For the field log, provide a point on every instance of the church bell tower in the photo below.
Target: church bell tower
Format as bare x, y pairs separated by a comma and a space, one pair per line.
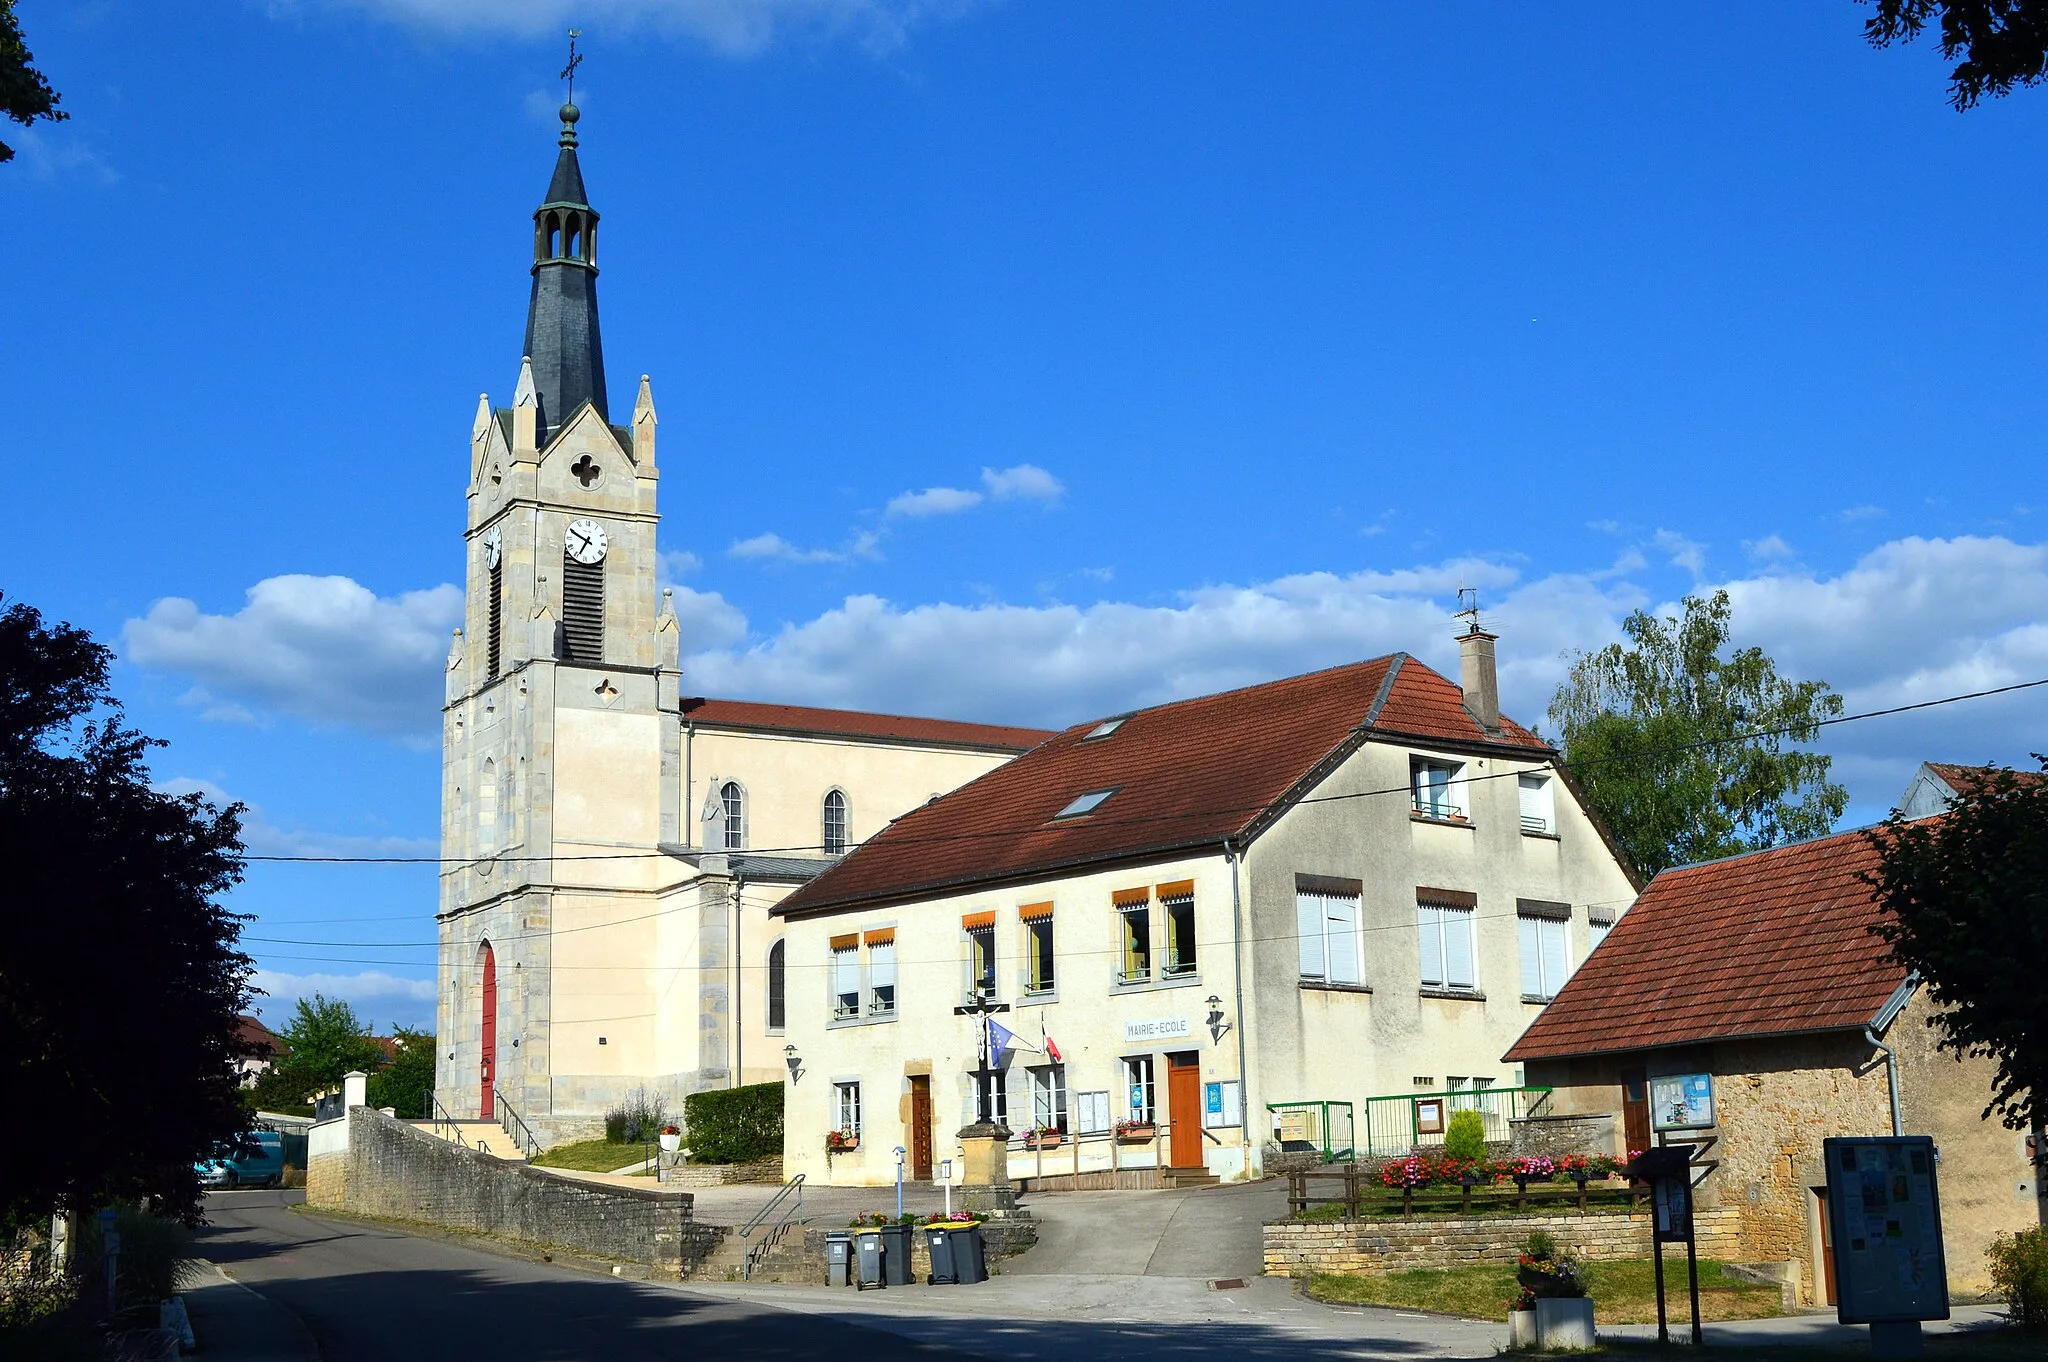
554, 742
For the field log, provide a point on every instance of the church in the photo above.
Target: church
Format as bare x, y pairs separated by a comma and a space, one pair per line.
611, 844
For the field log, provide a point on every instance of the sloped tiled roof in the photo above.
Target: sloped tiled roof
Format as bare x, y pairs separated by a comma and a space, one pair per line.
1189, 774
853, 724
1965, 780
250, 1031
1773, 942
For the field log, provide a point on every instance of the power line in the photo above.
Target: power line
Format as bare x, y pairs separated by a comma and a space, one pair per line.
1644, 755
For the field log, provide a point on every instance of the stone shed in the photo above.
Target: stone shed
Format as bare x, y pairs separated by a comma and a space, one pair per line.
1744, 1006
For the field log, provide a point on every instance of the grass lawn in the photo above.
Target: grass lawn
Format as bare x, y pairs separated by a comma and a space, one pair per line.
591, 1156
1623, 1292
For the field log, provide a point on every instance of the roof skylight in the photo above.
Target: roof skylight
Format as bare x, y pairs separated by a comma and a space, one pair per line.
1105, 728
1087, 803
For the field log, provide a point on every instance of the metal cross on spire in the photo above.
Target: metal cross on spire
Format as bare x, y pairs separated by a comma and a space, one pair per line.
575, 60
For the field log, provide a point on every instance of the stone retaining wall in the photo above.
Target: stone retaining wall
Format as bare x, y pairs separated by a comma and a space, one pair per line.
1297, 1248
395, 1171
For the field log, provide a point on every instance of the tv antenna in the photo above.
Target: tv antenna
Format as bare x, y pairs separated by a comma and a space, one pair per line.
1468, 608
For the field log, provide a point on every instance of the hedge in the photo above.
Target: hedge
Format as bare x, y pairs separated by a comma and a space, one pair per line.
734, 1125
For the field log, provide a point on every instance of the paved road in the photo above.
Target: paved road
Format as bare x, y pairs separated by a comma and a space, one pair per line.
369, 1294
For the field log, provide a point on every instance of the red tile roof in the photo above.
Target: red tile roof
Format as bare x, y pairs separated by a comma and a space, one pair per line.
250, 1031
1189, 774
1965, 780
853, 724
1773, 942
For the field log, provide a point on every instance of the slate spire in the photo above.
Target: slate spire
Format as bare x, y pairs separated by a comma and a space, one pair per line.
561, 318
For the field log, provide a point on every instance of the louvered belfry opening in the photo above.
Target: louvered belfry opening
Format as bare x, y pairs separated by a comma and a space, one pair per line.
582, 611
495, 651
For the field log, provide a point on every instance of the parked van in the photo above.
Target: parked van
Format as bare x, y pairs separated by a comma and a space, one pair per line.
259, 1162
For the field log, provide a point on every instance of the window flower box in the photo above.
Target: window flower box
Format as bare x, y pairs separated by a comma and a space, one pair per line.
1043, 1139
841, 1141
1136, 1132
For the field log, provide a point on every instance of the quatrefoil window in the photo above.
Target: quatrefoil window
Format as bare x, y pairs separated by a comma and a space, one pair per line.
586, 470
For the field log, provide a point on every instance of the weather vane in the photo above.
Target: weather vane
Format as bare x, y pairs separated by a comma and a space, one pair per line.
575, 60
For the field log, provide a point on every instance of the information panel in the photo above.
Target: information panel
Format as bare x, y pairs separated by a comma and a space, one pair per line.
1884, 1221
1681, 1101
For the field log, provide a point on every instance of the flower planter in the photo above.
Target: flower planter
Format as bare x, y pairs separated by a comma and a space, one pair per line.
671, 1143
1136, 1135
1521, 1329
1042, 1142
847, 1147
1564, 1322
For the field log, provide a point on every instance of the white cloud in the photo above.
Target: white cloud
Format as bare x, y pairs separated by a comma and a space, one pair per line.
934, 501
734, 28
1912, 620
1604, 526
326, 649
1770, 549
262, 837
1023, 482
672, 565
1856, 513
707, 619
379, 998
57, 154
773, 547
1682, 552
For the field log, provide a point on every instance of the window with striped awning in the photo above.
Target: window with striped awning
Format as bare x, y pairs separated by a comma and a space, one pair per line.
1039, 977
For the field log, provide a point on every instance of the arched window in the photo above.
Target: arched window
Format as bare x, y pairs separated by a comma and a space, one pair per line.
734, 801
776, 990
835, 823
487, 807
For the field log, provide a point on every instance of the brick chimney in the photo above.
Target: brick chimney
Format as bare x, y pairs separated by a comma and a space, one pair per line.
1476, 677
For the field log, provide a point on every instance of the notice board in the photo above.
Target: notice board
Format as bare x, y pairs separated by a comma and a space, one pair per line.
1884, 1221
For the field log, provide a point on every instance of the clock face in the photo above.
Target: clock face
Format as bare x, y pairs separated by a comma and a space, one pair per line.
586, 542
494, 548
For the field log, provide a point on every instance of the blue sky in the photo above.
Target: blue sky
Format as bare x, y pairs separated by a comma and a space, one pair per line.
1019, 362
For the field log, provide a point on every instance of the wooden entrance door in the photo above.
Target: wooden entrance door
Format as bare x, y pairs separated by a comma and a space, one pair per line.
1635, 1109
1184, 1108
921, 1128
485, 1105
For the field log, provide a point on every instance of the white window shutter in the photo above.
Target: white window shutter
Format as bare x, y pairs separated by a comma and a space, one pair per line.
1308, 926
1341, 911
1554, 956
1458, 967
1430, 920
882, 964
1531, 932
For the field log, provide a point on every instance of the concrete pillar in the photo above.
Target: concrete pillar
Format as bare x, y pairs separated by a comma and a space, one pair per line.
985, 1154
355, 1090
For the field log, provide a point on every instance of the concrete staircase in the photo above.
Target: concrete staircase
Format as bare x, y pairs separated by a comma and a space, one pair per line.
486, 1136
788, 1261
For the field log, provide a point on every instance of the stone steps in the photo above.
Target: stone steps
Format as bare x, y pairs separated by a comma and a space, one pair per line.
486, 1136
1187, 1177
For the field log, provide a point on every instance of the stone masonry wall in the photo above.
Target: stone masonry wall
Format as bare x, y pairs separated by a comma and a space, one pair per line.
1295, 1248
394, 1170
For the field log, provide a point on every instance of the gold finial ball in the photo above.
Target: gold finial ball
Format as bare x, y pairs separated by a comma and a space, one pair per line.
570, 113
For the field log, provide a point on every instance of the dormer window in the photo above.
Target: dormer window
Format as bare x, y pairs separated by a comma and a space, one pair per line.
1087, 803
1105, 728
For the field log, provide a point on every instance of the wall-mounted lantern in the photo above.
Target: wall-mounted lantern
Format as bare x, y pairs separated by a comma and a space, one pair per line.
1217, 1026
795, 1063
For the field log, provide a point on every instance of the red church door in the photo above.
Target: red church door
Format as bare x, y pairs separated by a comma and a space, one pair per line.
490, 1048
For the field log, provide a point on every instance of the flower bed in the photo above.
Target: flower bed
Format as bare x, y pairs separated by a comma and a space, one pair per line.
1465, 1186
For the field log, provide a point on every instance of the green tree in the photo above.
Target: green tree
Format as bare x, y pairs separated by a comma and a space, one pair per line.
404, 1083
120, 979
2002, 43
327, 1040
1965, 900
1687, 754
25, 95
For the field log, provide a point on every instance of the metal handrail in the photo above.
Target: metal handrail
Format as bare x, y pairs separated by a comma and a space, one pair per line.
438, 1113
521, 1138
773, 1235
